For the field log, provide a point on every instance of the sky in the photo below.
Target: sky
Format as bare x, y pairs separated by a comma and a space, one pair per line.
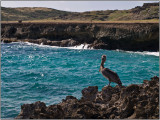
77, 6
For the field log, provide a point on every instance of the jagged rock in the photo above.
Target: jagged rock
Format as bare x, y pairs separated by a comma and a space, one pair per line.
89, 94
9, 40
132, 102
68, 43
54, 111
129, 91
98, 45
55, 43
33, 110
107, 93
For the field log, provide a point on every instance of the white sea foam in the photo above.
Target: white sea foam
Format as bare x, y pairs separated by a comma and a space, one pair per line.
28, 43
40, 45
86, 46
149, 53
142, 53
82, 46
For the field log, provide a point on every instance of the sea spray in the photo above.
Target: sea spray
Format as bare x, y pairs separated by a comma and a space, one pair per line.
81, 46
86, 46
142, 53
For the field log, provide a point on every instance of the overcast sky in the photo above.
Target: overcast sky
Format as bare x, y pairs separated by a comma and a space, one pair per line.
77, 6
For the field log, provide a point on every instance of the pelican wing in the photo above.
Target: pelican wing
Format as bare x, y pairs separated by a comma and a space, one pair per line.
111, 75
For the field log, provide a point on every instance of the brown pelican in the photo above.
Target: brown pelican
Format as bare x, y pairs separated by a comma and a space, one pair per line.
109, 74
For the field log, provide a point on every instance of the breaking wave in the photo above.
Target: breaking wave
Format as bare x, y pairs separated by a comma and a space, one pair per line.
142, 53
86, 46
82, 46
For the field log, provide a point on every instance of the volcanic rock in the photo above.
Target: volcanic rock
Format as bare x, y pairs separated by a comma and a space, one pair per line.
110, 36
130, 102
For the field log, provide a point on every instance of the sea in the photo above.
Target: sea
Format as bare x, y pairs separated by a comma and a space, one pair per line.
31, 72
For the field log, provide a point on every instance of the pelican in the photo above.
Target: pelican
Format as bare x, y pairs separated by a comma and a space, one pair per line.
109, 74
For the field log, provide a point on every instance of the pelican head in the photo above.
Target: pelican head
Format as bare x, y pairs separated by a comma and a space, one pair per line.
102, 62
104, 58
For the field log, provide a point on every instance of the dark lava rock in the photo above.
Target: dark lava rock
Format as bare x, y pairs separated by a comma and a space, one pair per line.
89, 94
131, 102
32, 110
68, 43
97, 44
9, 40
111, 36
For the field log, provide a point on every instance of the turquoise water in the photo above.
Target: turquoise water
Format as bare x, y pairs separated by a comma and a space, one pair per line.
31, 73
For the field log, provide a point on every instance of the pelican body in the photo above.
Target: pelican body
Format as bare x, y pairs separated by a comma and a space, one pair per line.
109, 74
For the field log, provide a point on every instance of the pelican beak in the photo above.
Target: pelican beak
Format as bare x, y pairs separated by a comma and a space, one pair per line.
100, 69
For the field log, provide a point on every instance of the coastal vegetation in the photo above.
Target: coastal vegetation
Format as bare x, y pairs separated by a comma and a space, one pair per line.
146, 13
45, 21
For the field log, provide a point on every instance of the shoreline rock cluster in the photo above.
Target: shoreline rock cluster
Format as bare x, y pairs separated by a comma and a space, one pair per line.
63, 43
132, 102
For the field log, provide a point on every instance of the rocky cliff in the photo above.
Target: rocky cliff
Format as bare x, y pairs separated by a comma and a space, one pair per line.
132, 102
125, 36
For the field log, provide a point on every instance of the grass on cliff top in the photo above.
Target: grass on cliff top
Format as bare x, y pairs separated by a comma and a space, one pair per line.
77, 21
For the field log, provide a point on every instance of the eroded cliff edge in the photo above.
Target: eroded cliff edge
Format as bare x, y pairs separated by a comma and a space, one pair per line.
133, 102
110, 36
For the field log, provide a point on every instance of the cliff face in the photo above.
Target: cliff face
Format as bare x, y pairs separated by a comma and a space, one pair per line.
126, 36
132, 102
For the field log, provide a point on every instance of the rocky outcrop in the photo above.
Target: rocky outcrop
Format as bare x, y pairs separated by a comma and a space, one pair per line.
132, 102
63, 43
110, 36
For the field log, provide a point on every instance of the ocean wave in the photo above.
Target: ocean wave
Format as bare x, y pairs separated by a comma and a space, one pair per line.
142, 53
86, 47
82, 46
41, 45
149, 53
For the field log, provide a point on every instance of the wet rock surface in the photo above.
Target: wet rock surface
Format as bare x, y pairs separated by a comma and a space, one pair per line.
110, 36
133, 102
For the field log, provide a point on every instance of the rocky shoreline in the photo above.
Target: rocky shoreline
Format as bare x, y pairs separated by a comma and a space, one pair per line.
132, 102
109, 36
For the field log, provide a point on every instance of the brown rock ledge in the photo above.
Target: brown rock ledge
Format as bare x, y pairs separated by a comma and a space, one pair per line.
133, 102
